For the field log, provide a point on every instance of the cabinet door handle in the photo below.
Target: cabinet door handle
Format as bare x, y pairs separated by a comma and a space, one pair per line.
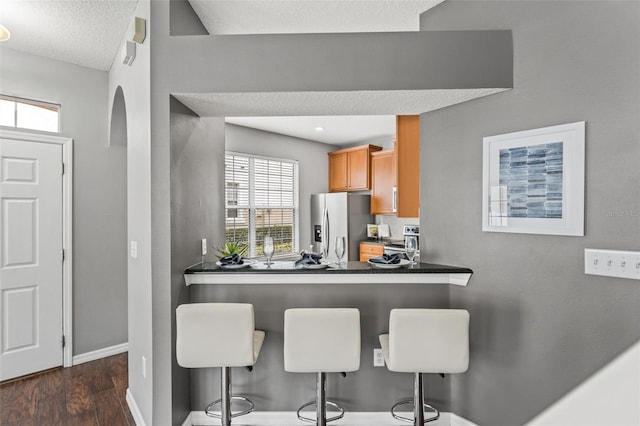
395, 200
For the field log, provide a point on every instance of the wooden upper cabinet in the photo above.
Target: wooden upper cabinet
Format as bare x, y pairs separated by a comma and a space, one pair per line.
383, 180
338, 180
407, 151
350, 169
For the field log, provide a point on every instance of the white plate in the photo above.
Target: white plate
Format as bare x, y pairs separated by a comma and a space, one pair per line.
246, 263
403, 262
323, 264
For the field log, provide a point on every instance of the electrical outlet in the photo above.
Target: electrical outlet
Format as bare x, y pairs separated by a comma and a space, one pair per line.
612, 263
378, 357
204, 246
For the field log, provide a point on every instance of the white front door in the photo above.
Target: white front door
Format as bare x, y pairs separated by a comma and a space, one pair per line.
30, 257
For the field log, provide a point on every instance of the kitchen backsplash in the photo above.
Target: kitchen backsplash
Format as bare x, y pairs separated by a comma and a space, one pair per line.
396, 223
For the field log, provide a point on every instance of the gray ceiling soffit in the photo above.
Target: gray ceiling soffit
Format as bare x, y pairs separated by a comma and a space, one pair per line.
422, 60
183, 20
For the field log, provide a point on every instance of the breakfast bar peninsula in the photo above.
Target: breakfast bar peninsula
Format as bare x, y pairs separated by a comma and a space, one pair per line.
285, 272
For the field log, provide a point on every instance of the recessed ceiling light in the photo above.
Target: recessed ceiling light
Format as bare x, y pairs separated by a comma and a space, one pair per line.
4, 33
319, 129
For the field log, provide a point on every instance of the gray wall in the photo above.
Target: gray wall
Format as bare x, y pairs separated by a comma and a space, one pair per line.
197, 198
99, 191
539, 326
312, 164
135, 82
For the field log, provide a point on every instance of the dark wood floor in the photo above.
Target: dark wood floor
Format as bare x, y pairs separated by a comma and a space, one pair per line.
92, 393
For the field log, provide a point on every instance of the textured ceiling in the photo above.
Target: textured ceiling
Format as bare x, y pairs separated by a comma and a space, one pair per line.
89, 32
82, 32
297, 106
336, 129
310, 16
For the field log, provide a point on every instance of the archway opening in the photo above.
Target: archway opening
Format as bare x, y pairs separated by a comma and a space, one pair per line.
118, 131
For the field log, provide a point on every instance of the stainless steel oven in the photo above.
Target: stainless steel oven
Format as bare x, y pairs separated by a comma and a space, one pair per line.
398, 247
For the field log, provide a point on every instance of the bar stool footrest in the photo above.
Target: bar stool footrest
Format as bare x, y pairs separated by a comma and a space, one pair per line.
209, 410
330, 419
426, 407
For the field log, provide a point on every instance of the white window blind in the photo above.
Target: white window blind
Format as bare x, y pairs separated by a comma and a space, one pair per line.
261, 198
29, 114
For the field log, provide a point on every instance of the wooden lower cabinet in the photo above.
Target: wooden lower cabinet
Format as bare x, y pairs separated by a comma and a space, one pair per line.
369, 250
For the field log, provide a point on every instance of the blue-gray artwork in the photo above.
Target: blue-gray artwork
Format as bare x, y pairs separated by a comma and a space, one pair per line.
533, 176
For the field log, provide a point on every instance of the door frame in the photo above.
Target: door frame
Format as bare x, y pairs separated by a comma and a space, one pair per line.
67, 229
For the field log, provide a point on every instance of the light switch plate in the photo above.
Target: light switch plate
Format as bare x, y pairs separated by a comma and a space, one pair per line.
612, 263
134, 249
204, 246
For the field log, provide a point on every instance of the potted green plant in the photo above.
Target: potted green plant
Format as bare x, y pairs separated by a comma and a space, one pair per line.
231, 248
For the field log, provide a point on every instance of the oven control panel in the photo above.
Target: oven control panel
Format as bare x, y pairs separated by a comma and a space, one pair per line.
411, 230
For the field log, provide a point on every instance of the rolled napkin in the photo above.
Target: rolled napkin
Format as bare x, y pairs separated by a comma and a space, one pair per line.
388, 259
232, 259
308, 259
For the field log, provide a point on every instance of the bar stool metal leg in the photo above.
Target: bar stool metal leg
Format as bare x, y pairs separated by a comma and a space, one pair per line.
418, 400
225, 395
226, 412
321, 406
419, 407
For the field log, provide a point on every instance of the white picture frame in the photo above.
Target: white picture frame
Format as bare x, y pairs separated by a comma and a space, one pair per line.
533, 181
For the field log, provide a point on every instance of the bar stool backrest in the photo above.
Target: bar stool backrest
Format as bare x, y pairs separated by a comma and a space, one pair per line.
215, 335
321, 340
429, 340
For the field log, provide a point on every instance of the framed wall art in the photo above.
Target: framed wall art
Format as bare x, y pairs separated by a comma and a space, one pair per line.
533, 181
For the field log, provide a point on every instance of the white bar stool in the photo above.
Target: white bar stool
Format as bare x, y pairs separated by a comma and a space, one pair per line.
321, 340
218, 335
425, 341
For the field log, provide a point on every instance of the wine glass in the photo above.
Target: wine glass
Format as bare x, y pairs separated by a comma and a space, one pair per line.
411, 246
267, 248
340, 248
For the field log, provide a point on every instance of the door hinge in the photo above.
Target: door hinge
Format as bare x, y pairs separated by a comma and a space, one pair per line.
62, 168
62, 255
64, 342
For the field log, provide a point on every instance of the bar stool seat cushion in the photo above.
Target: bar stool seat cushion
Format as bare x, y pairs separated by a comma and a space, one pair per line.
323, 340
427, 341
217, 335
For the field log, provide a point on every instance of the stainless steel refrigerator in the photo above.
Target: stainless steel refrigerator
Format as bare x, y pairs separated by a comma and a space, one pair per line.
339, 214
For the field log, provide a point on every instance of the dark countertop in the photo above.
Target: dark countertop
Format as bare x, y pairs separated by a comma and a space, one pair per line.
351, 273
348, 268
383, 242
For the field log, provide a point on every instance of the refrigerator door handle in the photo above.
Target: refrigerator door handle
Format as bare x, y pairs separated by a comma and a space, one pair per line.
325, 232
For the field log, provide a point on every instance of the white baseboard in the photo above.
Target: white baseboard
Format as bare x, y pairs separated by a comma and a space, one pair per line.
100, 353
288, 418
135, 411
187, 421
456, 420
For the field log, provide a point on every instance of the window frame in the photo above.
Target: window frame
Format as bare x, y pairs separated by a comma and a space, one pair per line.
252, 208
33, 102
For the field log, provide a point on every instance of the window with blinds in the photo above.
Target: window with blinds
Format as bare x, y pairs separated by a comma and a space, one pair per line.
29, 114
261, 198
